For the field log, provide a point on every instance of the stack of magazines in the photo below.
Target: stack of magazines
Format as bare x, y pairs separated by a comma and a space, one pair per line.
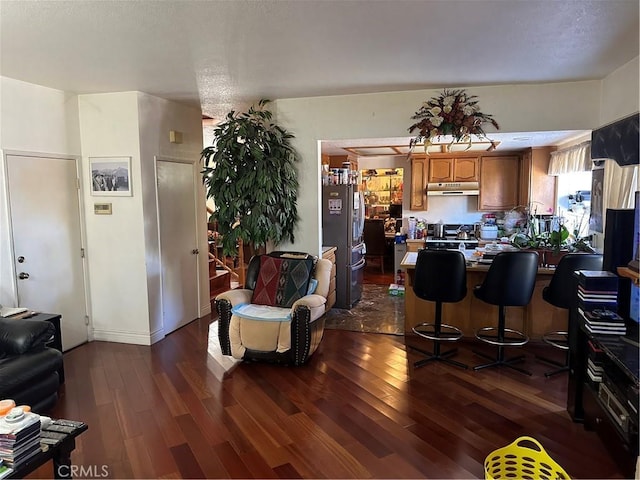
598, 302
603, 322
19, 437
595, 368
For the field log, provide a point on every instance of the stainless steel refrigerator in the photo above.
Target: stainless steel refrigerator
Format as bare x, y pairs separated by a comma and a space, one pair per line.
342, 227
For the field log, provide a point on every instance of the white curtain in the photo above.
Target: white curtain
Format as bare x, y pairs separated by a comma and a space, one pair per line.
620, 185
572, 159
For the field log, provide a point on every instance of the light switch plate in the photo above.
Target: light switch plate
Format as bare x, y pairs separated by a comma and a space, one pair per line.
175, 136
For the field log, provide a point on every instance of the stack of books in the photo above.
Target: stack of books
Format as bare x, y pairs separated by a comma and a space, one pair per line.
598, 302
19, 438
595, 369
603, 322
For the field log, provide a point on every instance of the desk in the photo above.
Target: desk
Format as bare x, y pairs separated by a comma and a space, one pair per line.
471, 313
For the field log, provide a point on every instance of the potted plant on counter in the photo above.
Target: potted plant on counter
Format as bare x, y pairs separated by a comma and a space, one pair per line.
556, 245
551, 245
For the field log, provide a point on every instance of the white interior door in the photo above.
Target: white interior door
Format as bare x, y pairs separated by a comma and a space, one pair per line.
178, 243
47, 245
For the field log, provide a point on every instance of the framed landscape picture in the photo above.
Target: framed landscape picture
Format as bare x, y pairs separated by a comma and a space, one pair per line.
110, 176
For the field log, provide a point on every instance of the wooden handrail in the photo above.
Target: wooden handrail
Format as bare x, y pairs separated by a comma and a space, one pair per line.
225, 267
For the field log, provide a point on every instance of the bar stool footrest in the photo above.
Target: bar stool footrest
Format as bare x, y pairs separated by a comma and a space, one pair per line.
557, 339
448, 333
517, 338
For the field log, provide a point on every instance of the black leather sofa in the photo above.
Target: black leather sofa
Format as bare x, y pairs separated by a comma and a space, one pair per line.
28, 368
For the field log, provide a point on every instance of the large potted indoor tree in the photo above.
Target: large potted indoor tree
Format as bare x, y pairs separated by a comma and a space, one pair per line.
250, 174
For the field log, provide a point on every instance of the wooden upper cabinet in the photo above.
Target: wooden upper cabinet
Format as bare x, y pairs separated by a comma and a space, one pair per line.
419, 169
537, 187
336, 161
466, 169
463, 169
440, 170
499, 180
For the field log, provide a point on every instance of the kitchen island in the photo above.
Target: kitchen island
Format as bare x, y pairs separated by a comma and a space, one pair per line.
471, 313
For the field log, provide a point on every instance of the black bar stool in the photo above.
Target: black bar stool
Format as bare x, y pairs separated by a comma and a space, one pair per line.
509, 282
440, 276
559, 293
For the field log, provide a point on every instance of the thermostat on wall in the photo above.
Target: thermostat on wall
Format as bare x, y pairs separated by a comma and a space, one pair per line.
102, 208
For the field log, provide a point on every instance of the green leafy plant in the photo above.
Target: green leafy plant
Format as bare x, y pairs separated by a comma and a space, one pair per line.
250, 173
558, 238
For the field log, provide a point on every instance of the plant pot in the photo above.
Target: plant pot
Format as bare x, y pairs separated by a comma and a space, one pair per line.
553, 258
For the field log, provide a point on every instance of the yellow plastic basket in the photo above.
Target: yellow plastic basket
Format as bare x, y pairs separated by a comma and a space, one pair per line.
524, 458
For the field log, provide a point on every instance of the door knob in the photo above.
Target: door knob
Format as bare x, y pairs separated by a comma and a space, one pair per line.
23, 275
195, 251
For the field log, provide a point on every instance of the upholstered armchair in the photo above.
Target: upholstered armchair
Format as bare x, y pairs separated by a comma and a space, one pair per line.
279, 315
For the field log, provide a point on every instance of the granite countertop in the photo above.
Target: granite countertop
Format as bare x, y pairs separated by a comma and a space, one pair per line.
410, 258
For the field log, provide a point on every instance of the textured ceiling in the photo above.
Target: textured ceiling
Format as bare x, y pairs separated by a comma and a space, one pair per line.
225, 54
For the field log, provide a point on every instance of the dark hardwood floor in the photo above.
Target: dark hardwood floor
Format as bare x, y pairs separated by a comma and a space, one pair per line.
358, 409
373, 274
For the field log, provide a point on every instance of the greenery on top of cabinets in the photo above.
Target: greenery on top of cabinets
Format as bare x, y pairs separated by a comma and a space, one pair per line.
250, 173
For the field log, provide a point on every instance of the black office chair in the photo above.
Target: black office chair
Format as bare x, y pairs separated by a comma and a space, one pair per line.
375, 240
559, 293
440, 276
509, 282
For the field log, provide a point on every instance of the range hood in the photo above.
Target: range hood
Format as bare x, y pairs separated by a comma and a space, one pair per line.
453, 188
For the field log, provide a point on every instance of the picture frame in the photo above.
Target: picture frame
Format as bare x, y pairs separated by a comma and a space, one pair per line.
110, 176
597, 208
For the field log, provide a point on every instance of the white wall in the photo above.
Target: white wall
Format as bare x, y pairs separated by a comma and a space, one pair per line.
32, 119
517, 108
123, 248
115, 243
620, 93
157, 118
463, 209
122, 252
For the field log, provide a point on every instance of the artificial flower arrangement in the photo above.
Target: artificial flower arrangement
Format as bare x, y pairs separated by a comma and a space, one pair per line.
452, 113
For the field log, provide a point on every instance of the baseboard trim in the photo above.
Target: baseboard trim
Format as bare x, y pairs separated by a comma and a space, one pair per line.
124, 337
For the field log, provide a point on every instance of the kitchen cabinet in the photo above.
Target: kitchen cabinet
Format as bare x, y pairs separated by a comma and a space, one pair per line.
419, 175
499, 180
457, 169
537, 187
336, 161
